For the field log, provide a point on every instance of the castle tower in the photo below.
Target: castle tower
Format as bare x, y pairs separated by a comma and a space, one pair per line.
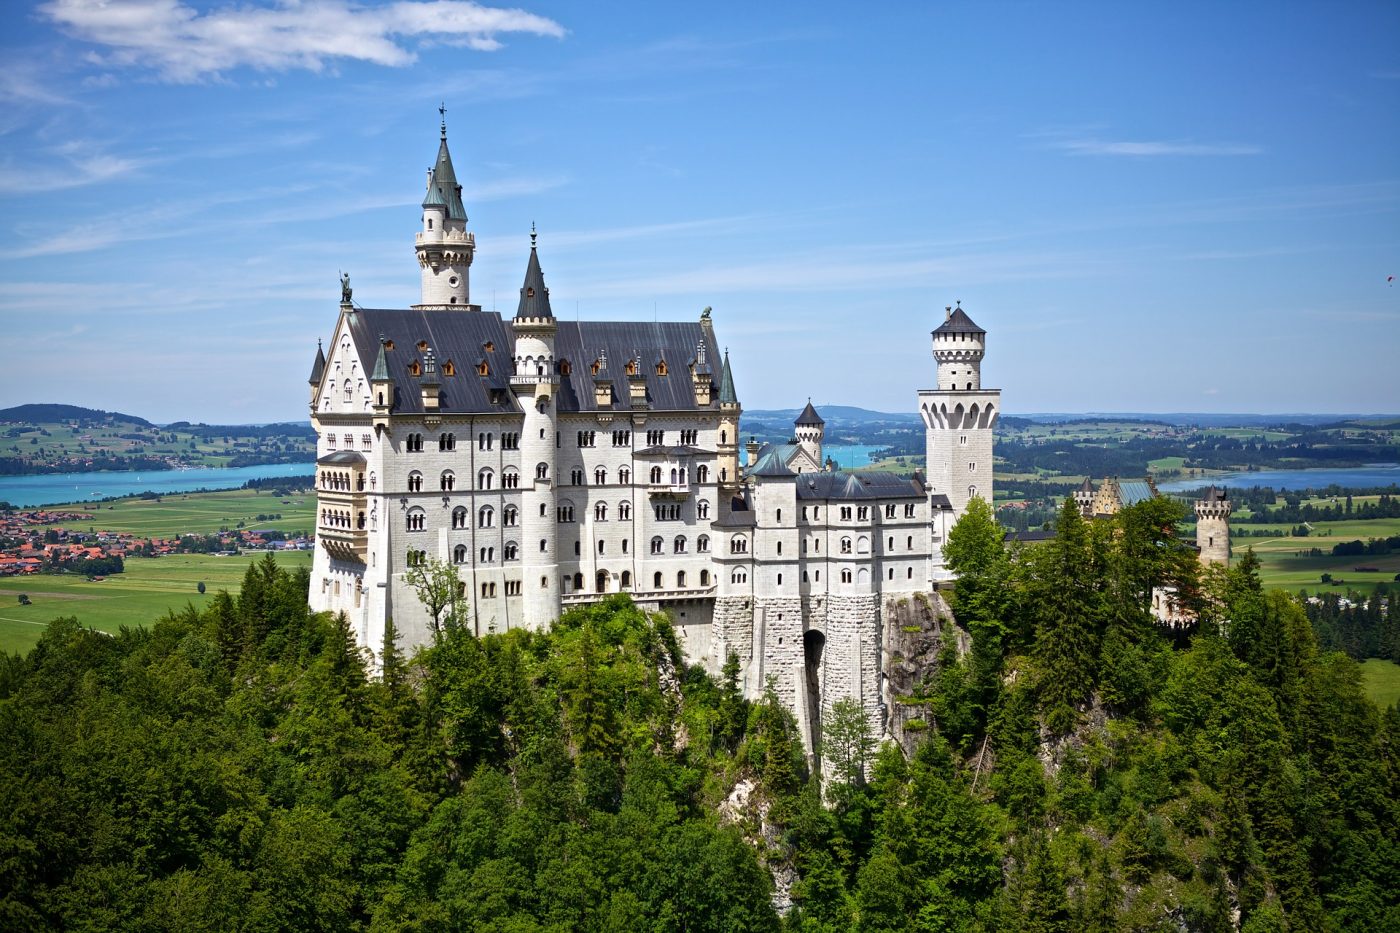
318, 368
1213, 526
959, 415
810, 430
536, 388
729, 410
444, 246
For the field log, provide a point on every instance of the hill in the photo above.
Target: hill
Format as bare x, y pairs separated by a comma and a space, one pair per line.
52, 414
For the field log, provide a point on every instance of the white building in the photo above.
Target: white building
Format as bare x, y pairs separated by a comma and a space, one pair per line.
556, 462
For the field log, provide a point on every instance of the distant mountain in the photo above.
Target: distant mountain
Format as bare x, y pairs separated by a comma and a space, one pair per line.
836, 414
53, 414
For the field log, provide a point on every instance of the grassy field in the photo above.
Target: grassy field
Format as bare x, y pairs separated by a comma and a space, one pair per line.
148, 588
197, 513
49, 442
1382, 679
1281, 567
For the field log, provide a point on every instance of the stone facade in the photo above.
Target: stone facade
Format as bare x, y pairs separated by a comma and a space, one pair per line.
554, 463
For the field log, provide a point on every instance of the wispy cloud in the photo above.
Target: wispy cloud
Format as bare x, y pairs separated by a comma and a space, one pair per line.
183, 45
72, 165
1091, 146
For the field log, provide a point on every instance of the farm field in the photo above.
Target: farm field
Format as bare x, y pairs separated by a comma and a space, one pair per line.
197, 513
145, 592
1281, 567
1382, 681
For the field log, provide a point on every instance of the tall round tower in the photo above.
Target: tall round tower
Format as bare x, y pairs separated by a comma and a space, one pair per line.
810, 428
536, 389
444, 246
958, 348
1213, 526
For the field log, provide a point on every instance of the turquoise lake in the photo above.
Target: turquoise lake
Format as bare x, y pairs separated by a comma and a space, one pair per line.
53, 488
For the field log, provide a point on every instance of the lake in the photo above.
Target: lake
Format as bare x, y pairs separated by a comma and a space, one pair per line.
54, 488
1372, 474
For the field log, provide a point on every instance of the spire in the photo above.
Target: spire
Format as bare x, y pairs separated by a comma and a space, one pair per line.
534, 296
318, 367
381, 366
727, 395
434, 197
444, 178
809, 417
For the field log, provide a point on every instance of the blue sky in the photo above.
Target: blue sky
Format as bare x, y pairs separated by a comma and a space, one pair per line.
1151, 207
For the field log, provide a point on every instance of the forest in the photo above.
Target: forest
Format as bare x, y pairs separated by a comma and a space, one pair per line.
1083, 769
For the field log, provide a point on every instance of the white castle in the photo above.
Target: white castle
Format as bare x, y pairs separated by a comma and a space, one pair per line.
553, 463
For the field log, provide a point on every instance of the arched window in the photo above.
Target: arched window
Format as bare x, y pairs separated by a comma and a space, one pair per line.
624, 475
511, 551
600, 512
702, 509
780, 549
600, 477
657, 544
673, 476
602, 546
447, 442
863, 545
624, 510
680, 544
626, 579
510, 478
845, 545
576, 477
349, 391
740, 575
680, 579
542, 471
544, 546
459, 517
484, 478
415, 481
373, 481
846, 575
510, 516
578, 581
447, 480
655, 475
417, 519
738, 545
972, 492
702, 474
459, 554
909, 542
485, 517
656, 583
704, 578
702, 544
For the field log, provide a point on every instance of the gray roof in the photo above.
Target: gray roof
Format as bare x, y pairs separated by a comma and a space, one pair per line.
958, 323
461, 337
1215, 494
381, 366
534, 296
1132, 493
445, 179
862, 485
341, 458
771, 465
319, 366
434, 197
809, 416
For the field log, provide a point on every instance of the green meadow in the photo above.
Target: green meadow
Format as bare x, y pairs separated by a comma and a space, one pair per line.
196, 513
149, 588
1382, 681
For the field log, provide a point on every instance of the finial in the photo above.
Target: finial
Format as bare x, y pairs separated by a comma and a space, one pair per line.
959, 304
442, 111
532, 234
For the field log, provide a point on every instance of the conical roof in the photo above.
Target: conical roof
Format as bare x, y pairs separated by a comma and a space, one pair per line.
381, 366
959, 323
809, 417
318, 367
727, 395
444, 179
534, 296
434, 197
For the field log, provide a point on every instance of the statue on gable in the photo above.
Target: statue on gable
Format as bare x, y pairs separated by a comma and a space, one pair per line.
345, 290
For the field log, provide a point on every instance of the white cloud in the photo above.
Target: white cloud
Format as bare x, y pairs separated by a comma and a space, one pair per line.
1143, 148
183, 44
74, 164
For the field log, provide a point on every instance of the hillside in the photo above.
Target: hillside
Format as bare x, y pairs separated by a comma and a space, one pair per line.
54, 414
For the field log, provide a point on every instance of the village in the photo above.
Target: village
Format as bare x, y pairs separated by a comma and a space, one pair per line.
34, 541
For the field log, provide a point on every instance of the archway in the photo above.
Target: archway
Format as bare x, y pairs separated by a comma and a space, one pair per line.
602, 581
813, 648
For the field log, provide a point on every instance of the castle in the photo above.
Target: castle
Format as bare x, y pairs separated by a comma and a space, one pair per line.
552, 463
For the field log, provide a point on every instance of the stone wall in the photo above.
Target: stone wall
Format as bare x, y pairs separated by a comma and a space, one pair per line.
913, 630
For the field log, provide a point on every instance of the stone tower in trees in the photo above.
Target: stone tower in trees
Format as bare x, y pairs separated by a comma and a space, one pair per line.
1213, 526
959, 415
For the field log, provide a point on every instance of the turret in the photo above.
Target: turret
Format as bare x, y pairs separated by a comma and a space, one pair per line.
729, 412
318, 368
810, 430
445, 248
430, 383
382, 389
536, 385
701, 378
1213, 526
958, 346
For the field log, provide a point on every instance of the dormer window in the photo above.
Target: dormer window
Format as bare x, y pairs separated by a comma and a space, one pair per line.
529, 293
661, 368
388, 344
488, 346
565, 369
597, 365
631, 367
483, 368
448, 369
415, 368
422, 345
